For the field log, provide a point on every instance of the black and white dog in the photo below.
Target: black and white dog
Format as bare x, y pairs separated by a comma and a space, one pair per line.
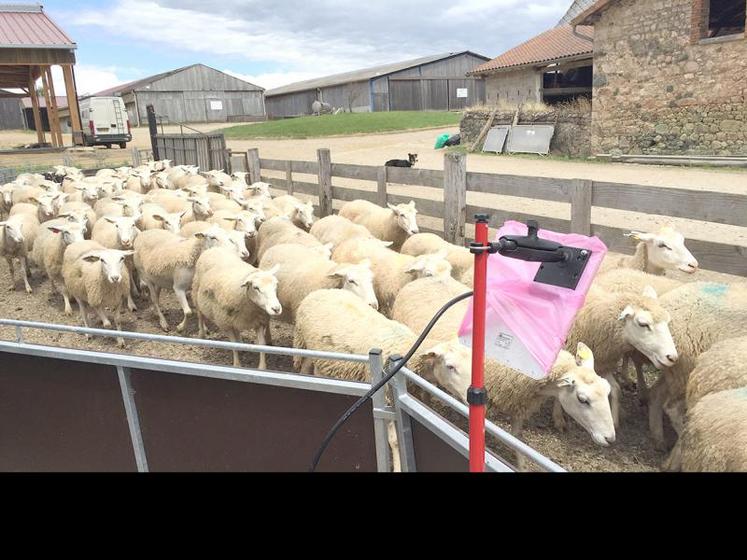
412, 159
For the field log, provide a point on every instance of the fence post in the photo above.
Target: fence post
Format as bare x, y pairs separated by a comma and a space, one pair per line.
455, 197
253, 166
153, 128
325, 182
581, 200
381, 426
289, 176
381, 177
136, 157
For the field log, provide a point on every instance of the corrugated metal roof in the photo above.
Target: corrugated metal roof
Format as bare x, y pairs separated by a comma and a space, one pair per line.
585, 17
556, 44
578, 7
28, 26
143, 82
61, 102
364, 74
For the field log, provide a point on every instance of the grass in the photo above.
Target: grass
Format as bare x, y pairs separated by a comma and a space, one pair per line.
344, 124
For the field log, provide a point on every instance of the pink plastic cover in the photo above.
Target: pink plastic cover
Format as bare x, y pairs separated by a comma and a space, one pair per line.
527, 323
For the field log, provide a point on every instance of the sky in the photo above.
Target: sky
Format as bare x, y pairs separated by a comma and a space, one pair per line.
273, 43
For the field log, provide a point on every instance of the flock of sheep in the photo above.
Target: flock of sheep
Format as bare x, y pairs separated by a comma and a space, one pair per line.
367, 278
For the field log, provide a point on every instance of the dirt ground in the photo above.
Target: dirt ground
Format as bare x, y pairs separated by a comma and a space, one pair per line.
573, 450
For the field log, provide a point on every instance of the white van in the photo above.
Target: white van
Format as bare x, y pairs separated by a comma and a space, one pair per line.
105, 122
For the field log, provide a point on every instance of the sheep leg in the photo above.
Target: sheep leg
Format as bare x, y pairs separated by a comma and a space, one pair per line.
201, 324
12, 273
25, 274
235, 337
262, 332
394, 446
558, 416
84, 316
66, 297
306, 367
656, 414
517, 427
118, 324
615, 394
155, 296
181, 295
642, 387
674, 461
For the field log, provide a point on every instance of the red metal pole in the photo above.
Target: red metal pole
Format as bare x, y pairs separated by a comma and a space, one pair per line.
476, 396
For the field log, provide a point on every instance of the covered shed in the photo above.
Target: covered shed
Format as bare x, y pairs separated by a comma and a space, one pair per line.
432, 83
30, 44
192, 94
11, 111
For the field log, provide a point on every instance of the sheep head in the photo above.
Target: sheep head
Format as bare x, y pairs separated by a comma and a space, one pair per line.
645, 326
71, 232
667, 250
112, 263
126, 228
358, 279
451, 364
431, 266
584, 395
407, 216
262, 290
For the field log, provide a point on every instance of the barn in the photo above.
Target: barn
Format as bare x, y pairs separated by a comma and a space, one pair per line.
193, 94
11, 111
432, 83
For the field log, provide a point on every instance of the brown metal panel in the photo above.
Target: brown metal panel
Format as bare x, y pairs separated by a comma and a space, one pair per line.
57, 415
201, 424
432, 454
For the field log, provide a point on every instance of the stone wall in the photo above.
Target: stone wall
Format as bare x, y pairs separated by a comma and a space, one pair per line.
517, 86
572, 133
660, 89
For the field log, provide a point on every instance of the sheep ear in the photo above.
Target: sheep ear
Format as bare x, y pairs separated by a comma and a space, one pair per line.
387, 244
55, 229
338, 272
128, 253
393, 208
650, 292
584, 356
627, 313
159, 217
412, 204
274, 270
200, 235
91, 257
417, 266
329, 247
638, 236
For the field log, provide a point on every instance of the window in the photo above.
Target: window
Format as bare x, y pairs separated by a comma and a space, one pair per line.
724, 17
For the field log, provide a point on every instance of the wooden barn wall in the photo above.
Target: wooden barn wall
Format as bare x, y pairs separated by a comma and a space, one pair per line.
291, 104
356, 96
201, 78
11, 115
195, 106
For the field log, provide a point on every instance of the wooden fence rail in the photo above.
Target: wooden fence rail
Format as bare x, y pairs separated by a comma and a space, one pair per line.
456, 182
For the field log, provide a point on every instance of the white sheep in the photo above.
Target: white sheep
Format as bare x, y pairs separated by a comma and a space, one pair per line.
235, 237
576, 387
236, 297
166, 260
49, 250
395, 223
280, 230
392, 271
321, 324
300, 213
79, 211
119, 232
656, 253
24, 208
155, 217
301, 272
335, 229
17, 236
48, 205
98, 277
171, 201
462, 261
217, 179
703, 313
243, 221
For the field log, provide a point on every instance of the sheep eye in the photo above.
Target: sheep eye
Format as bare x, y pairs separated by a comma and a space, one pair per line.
583, 399
664, 246
644, 325
353, 282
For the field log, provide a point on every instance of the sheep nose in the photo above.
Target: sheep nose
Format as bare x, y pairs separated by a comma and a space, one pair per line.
116, 279
610, 439
277, 309
672, 357
375, 305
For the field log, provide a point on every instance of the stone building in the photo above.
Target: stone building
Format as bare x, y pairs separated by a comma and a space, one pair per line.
670, 76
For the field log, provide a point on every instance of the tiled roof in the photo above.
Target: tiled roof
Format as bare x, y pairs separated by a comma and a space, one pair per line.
558, 43
27, 26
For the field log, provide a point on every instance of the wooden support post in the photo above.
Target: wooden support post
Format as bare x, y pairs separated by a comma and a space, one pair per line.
136, 162
381, 177
485, 130
325, 182
72, 99
289, 176
54, 122
40, 136
581, 200
48, 102
253, 166
455, 197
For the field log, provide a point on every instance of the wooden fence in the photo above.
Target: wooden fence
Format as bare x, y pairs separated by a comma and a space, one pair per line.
207, 151
456, 182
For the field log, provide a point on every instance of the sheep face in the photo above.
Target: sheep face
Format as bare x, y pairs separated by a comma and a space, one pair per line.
12, 232
358, 279
451, 364
247, 225
72, 232
112, 263
431, 266
89, 193
645, 326
77, 216
261, 189
667, 250
201, 207
170, 222
237, 239
406, 217
257, 208
8, 195
304, 214
585, 397
216, 179
262, 290
127, 231
240, 176
48, 205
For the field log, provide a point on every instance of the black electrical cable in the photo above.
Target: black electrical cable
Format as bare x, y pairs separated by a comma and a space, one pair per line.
387, 377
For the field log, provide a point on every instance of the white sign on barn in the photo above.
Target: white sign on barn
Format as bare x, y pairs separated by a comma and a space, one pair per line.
216, 105
462, 92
